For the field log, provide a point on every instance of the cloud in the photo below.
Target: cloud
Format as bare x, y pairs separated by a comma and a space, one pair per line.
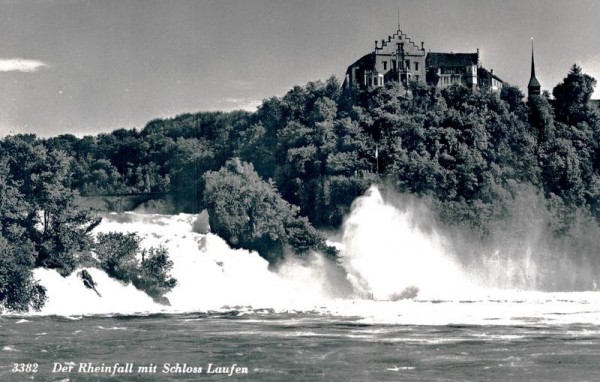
20, 65
248, 104
242, 84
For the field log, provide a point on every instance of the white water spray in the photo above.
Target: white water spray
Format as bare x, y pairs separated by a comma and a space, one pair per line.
386, 257
209, 273
389, 257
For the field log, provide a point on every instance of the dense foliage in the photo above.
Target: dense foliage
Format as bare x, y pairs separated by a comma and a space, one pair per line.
121, 257
321, 146
249, 213
41, 222
303, 158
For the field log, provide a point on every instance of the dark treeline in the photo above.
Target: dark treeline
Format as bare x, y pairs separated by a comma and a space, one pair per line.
467, 149
42, 225
307, 155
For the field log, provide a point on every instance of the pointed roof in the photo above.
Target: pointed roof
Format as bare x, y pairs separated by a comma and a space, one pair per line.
534, 84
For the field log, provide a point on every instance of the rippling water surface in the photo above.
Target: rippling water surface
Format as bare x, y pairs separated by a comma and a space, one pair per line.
298, 347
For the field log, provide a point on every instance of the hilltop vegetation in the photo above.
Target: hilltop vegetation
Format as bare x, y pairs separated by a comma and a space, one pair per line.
301, 160
466, 149
41, 225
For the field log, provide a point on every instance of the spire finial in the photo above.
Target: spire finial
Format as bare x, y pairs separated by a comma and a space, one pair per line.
398, 14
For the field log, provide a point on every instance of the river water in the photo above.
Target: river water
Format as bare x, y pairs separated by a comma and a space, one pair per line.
399, 306
305, 346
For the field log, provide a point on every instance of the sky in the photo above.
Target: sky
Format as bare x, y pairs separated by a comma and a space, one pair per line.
84, 67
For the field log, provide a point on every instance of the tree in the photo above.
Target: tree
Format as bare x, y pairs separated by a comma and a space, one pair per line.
117, 255
572, 96
513, 97
59, 229
62, 232
190, 158
249, 213
18, 290
541, 117
153, 276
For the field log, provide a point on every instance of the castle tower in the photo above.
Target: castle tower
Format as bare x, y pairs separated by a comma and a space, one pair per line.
534, 87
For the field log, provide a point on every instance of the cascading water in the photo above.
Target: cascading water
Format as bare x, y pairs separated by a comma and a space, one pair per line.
388, 257
390, 271
209, 273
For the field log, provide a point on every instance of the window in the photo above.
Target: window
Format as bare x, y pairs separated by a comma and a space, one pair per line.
449, 71
408, 64
384, 65
416, 66
417, 77
394, 64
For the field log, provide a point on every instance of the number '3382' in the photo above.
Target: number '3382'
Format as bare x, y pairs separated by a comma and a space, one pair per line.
25, 368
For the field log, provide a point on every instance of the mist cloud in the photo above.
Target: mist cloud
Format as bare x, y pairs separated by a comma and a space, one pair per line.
21, 65
232, 103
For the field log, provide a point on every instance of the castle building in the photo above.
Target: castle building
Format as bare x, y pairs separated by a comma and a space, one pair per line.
445, 69
395, 59
401, 60
488, 80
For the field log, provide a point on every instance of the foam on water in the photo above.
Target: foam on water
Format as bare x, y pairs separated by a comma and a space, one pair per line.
391, 271
209, 273
68, 295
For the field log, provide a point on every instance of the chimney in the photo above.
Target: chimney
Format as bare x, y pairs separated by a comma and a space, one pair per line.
382, 42
422, 45
375, 44
389, 38
491, 71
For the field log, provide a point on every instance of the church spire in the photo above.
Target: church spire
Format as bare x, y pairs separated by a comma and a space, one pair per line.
534, 87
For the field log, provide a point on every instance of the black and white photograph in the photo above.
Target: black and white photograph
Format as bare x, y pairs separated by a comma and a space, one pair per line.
299, 190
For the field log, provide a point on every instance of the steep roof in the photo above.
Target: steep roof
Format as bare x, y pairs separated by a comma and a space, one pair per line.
451, 60
366, 61
534, 84
483, 72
